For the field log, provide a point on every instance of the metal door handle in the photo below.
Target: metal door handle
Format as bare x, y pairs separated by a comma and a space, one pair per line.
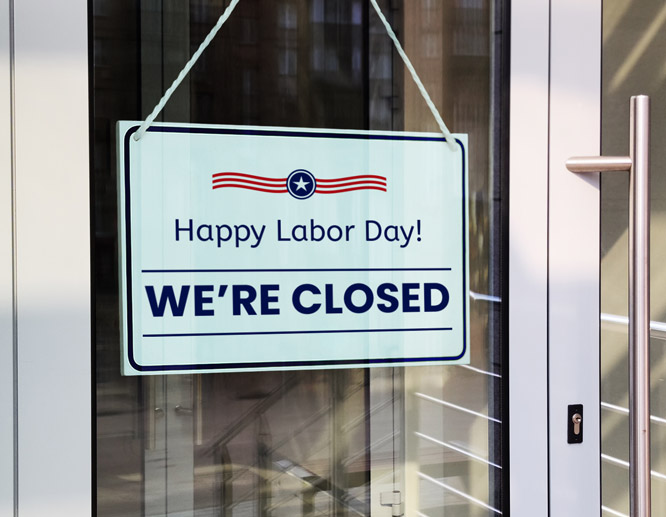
638, 165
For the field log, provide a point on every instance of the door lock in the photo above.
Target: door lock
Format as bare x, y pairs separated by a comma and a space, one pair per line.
576, 419
575, 424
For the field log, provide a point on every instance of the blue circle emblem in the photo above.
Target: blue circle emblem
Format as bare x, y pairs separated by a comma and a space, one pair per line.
301, 184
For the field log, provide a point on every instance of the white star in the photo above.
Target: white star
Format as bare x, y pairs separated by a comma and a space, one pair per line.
300, 184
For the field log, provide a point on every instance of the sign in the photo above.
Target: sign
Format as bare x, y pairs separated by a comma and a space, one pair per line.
247, 248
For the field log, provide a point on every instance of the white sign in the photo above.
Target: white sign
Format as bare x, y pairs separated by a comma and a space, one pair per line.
248, 248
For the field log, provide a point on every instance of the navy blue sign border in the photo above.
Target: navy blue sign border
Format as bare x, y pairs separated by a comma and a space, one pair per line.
278, 364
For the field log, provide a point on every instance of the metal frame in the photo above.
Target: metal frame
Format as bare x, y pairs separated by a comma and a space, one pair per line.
528, 259
573, 242
52, 257
6, 268
554, 257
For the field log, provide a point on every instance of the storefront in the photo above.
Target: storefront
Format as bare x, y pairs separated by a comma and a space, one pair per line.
372, 404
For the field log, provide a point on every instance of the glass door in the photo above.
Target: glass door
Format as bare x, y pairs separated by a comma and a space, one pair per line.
633, 63
421, 440
438, 440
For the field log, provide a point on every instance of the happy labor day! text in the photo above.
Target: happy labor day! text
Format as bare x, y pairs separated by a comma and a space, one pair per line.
240, 235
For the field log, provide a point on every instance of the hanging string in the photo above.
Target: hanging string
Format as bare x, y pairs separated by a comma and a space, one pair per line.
225, 16
167, 95
433, 109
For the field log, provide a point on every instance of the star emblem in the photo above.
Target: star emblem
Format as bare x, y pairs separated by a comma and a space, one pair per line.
300, 184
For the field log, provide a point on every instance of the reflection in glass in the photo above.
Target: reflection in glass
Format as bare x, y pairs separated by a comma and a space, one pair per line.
324, 442
633, 63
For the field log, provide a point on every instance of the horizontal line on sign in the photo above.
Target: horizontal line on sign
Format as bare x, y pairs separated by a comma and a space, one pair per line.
349, 178
262, 178
248, 187
338, 191
282, 332
340, 270
349, 184
310, 134
241, 181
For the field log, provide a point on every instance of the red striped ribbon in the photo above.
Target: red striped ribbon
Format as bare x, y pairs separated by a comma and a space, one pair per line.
279, 185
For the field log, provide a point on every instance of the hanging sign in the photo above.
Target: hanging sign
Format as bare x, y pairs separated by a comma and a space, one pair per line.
247, 249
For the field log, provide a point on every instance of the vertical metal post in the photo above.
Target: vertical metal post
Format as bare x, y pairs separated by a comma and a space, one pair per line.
223, 474
638, 165
198, 410
151, 413
338, 448
639, 308
264, 466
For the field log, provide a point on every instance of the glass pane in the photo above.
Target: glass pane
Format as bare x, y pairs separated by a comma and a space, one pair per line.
323, 442
633, 63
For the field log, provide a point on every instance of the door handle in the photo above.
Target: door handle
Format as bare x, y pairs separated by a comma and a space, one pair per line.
638, 165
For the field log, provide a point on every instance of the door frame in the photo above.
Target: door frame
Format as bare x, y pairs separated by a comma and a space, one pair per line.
574, 257
528, 257
554, 91
6, 272
49, 242
554, 257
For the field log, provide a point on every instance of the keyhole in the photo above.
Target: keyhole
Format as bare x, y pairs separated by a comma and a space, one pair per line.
576, 419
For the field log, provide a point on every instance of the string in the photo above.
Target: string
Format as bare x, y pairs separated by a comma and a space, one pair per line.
167, 95
433, 109
225, 16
